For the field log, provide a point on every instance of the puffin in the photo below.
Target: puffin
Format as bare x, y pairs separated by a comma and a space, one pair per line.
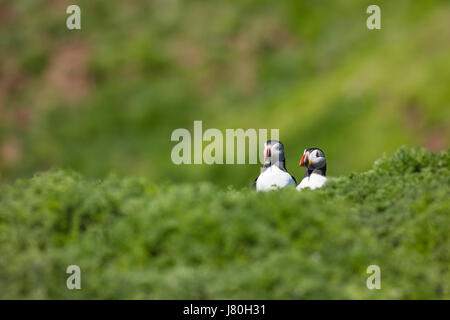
274, 174
314, 161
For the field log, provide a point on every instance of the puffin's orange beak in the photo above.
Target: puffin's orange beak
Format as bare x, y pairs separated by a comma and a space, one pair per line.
266, 154
302, 161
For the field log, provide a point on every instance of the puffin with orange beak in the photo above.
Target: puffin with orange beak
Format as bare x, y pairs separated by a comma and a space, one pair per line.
314, 161
274, 174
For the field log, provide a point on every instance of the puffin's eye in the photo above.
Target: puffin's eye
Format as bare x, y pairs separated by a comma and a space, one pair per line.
317, 154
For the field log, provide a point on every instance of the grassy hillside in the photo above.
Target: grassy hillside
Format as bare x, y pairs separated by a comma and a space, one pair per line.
106, 98
134, 239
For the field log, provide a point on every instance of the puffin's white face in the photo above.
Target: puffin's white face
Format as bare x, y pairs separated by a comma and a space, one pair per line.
317, 159
313, 158
273, 152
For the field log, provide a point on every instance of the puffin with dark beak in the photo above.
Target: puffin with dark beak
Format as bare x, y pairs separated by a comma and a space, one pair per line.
314, 161
274, 174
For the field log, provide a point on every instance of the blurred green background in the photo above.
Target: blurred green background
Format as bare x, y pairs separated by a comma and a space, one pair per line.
107, 97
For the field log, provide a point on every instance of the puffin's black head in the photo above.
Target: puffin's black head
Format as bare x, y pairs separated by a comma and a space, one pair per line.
273, 152
314, 160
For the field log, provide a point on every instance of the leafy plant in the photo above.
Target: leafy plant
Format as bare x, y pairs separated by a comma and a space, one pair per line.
133, 239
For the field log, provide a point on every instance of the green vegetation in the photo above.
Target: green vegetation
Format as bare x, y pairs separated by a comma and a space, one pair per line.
134, 239
106, 98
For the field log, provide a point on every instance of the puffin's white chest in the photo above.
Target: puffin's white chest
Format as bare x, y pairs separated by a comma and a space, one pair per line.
273, 178
313, 181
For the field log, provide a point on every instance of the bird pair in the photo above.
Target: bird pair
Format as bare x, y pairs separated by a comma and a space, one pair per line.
275, 176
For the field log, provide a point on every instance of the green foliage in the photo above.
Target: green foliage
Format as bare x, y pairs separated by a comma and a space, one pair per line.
134, 239
107, 97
